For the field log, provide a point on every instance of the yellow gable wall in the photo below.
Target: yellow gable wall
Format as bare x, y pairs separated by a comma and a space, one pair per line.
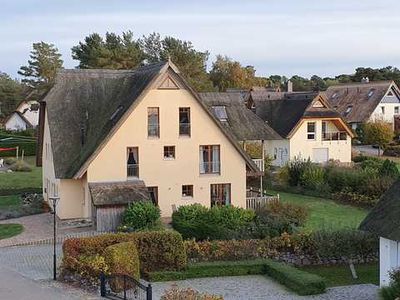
170, 175
301, 147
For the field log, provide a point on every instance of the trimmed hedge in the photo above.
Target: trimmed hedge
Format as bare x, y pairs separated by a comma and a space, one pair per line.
212, 269
28, 147
7, 192
300, 282
158, 250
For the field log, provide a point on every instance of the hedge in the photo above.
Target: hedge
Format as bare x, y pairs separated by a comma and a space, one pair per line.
8, 191
301, 282
28, 147
158, 250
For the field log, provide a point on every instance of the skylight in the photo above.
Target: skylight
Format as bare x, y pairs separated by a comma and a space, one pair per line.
348, 110
220, 113
334, 95
371, 92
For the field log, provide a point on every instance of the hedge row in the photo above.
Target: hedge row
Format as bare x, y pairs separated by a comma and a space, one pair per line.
158, 250
301, 282
7, 192
28, 147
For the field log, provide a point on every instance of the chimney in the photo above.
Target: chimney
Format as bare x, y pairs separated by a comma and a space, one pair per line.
366, 80
290, 87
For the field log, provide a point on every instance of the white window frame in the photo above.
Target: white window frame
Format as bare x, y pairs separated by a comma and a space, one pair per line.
311, 133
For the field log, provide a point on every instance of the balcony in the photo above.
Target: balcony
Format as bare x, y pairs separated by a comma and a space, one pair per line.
334, 136
212, 167
259, 162
133, 170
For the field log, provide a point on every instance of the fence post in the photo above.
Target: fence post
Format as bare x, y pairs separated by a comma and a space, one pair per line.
102, 285
124, 287
149, 295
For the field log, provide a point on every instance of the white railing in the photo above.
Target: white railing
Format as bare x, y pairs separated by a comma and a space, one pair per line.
259, 162
334, 136
258, 202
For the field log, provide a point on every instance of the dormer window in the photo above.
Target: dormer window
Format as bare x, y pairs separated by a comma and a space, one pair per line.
371, 92
348, 110
220, 113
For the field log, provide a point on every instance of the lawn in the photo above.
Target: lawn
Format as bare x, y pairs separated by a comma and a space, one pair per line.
20, 180
341, 275
326, 214
10, 230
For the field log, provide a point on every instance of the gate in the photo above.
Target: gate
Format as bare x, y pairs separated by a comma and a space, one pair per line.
124, 287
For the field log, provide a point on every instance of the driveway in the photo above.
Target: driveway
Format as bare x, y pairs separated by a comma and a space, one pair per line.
366, 150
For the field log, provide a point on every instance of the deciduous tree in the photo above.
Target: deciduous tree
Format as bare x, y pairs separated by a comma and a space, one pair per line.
378, 132
10, 94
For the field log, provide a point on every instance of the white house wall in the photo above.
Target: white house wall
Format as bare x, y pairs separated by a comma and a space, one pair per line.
278, 150
389, 103
389, 259
15, 123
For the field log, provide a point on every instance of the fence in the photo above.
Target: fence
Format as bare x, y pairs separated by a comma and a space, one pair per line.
124, 287
258, 202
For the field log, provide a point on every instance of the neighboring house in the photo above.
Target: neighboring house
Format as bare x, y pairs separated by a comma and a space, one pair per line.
359, 103
111, 137
16, 121
384, 221
309, 126
24, 117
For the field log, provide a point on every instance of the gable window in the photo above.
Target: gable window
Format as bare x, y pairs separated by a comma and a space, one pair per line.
382, 110
220, 113
169, 152
390, 94
210, 159
184, 121
132, 163
187, 190
220, 194
348, 110
153, 122
396, 110
311, 130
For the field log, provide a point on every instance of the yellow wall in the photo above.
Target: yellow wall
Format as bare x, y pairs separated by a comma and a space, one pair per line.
170, 175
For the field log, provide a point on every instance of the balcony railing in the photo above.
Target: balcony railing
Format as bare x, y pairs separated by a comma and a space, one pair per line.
184, 128
334, 136
133, 170
259, 162
213, 167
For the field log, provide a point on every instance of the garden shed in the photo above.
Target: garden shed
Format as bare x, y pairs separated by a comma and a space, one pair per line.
110, 200
384, 220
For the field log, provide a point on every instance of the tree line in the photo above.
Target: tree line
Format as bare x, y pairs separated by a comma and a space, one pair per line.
124, 51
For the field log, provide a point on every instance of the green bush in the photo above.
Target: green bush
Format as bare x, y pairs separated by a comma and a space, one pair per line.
389, 168
218, 222
313, 177
212, 269
296, 169
21, 166
301, 282
141, 215
296, 214
29, 148
355, 199
158, 250
392, 151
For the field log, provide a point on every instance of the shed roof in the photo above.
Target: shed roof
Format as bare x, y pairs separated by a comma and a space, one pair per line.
242, 122
358, 97
384, 219
118, 193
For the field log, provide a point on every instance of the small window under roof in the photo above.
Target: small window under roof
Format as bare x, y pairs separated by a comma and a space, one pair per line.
371, 92
390, 93
220, 113
348, 110
334, 95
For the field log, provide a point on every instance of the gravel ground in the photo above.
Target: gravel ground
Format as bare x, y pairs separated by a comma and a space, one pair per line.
261, 287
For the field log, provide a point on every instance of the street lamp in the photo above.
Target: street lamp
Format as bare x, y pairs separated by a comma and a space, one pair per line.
54, 201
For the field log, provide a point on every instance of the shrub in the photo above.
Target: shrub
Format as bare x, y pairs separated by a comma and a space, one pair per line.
218, 222
301, 282
21, 166
296, 169
158, 250
212, 269
392, 151
313, 177
174, 293
141, 215
389, 168
122, 259
392, 292
355, 199
296, 214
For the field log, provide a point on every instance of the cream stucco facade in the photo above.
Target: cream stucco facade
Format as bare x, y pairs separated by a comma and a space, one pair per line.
319, 150
168, 175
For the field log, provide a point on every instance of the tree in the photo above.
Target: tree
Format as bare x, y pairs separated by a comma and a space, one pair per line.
226, 73
191, 63
113, 52
10, 94
44, 62
378, 132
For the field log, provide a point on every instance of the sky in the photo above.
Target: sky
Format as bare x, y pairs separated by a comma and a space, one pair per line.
286, 37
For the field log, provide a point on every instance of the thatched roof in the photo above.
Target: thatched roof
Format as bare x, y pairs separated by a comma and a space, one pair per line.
84, 106
118, 193
284, 114
363, 98
242, 123
384, 219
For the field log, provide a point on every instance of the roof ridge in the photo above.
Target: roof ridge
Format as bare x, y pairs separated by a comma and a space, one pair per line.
371, 83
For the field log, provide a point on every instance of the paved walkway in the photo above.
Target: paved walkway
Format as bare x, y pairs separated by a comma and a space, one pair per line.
261, 287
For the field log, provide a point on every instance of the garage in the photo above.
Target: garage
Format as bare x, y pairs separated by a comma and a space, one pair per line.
320, 155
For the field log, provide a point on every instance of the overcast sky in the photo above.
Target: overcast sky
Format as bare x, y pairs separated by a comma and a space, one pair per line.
288, 37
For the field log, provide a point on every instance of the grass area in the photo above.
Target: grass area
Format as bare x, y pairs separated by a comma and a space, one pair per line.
20, 180
10, 230
10, 202
325, 213
341, 275
299, 281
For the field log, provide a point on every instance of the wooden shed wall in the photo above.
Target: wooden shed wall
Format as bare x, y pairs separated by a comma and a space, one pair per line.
108, 218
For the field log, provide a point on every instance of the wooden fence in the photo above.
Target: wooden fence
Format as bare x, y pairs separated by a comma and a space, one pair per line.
258, 202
